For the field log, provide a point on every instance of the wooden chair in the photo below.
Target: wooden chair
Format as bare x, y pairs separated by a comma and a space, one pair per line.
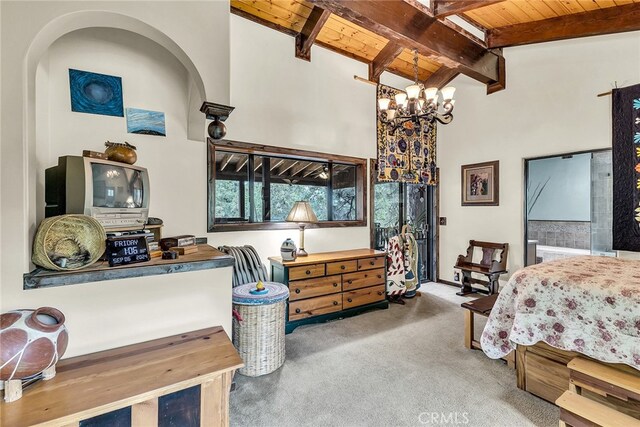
487, 266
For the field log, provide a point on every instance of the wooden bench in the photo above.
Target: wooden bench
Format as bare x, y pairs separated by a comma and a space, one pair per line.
186, 378
579, 411
481, 306
488, 266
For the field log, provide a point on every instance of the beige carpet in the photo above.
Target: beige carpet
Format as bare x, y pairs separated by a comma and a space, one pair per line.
405, 366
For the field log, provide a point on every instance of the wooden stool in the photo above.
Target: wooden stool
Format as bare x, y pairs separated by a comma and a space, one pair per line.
617, 386
579, 411
483, 307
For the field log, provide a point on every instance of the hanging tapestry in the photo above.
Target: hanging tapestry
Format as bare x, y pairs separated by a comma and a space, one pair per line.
409, 154
626, 168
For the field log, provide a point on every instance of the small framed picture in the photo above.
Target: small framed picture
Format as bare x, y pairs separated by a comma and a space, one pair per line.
480, 184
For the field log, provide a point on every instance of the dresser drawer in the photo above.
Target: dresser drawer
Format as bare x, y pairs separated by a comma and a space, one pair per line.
314, 306
371, 263
301, 289
362, 279
342, 267
306, 271
363, 296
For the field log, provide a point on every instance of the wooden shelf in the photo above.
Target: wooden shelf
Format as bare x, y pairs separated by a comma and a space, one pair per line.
206, 258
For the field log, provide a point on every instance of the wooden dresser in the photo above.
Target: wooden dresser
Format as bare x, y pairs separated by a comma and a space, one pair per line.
332, 285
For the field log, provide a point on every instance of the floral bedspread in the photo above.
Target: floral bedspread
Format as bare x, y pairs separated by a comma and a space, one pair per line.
588, 304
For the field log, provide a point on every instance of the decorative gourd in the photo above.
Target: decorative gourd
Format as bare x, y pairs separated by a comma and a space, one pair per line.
119, 152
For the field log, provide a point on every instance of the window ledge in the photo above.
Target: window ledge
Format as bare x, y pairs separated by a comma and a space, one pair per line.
246, 226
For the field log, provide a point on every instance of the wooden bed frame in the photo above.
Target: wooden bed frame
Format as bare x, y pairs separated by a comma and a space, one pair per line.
542, 371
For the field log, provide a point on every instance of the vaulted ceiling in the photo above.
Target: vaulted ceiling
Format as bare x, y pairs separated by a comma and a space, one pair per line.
384, 34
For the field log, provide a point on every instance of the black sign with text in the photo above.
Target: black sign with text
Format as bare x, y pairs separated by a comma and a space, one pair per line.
127, 250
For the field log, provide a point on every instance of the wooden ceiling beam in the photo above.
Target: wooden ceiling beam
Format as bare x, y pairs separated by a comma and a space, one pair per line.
290, 32
444, 8
412, 28
383, 59
609, 20
441, 77
310, 32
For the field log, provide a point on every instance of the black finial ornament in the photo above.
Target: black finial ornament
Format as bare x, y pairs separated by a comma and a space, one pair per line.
218, 113
217, 129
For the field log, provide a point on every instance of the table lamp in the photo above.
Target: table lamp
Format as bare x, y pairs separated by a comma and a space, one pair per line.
303, 214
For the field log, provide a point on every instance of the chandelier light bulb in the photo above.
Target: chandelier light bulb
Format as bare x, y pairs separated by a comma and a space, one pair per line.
383, 103
413, 91
401, 99
391, 114
447, 93
431, 93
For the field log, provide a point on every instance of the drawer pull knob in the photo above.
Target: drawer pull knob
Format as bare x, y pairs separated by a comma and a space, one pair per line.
307, 272
342, 267
379, 292
379, 276
366, 275
335, 285
297, 291
349, 299
297, 310
349, 281
335, 303
372, 263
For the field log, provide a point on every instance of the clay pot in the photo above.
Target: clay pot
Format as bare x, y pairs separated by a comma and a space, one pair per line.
31, 341
124, 153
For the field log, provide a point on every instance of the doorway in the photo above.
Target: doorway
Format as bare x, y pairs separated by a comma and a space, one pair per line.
568, 206
395, 204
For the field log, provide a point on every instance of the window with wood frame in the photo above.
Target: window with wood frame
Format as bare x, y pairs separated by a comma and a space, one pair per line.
253, 187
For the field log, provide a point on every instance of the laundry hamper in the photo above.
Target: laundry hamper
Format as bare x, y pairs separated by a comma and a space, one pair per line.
258, 327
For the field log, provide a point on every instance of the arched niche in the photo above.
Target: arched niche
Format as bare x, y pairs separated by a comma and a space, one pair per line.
87, 20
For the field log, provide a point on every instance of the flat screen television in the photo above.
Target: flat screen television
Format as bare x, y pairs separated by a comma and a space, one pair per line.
116, 194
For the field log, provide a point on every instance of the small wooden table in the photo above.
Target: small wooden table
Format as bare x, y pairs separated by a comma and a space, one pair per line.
483, 307
133, 376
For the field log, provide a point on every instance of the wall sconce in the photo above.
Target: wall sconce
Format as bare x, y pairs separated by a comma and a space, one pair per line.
218, 113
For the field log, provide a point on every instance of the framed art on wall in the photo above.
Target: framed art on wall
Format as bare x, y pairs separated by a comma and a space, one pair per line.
480, 184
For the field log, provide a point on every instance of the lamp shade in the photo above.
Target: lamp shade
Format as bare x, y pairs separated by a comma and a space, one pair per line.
302, 212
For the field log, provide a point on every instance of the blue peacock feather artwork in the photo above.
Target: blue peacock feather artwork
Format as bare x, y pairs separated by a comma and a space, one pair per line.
145, 122
95, 93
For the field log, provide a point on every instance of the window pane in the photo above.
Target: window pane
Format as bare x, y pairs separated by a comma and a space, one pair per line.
230, 187
344, 193
293, 180
387, 204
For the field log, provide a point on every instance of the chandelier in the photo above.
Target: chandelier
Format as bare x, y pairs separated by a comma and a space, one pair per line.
417, 104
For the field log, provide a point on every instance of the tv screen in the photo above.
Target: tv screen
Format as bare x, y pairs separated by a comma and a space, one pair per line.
116, 186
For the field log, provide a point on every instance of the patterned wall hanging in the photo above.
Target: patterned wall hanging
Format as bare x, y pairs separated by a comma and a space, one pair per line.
409, 154
626, 168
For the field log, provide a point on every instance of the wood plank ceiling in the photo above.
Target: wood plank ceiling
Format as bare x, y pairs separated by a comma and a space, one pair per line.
383, 34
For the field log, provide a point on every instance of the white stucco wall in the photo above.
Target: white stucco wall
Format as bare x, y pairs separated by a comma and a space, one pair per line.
549, 107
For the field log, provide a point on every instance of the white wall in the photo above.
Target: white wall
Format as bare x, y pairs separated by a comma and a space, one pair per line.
108, 314
284, 101
549, 107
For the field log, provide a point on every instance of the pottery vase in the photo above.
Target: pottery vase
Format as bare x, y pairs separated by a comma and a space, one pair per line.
124, 153
31, 341
288, 250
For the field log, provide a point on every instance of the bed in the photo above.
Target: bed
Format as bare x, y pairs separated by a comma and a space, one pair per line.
556, 310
